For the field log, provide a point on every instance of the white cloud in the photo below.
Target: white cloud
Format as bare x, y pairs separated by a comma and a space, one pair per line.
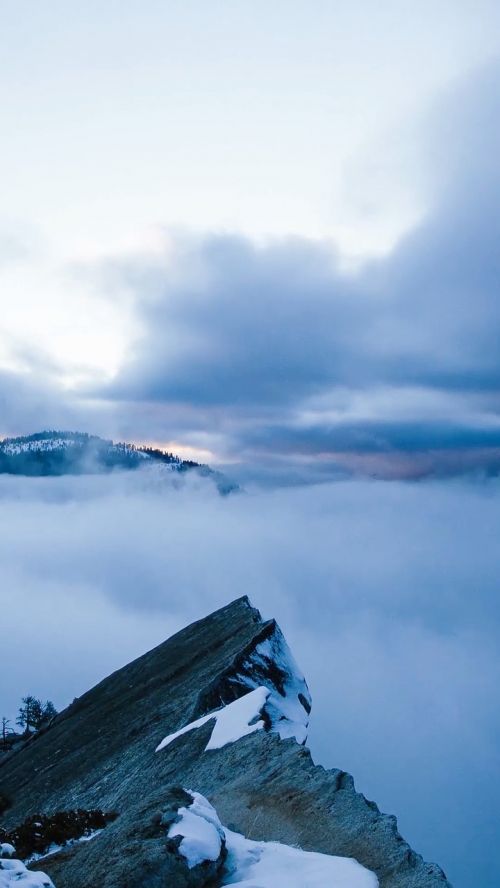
387, 594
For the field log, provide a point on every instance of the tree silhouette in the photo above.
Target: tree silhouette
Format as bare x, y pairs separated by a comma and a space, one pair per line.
5, 730
30, 713
48, 711
33, 713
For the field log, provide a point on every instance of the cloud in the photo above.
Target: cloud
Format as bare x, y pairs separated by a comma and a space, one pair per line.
379, 436
28, 402
32, 398
20, 242
387, 593
241, 338
271, 353
238, 325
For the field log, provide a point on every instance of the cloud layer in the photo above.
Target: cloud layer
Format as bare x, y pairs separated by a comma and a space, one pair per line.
387, 593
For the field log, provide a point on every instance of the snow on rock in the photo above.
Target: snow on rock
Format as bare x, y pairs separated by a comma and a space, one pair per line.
14, 872
271, 663
233, 721
74, 442
273, 865
201, 831
16, 446
54, 847
271, 693
6, 849
260, 864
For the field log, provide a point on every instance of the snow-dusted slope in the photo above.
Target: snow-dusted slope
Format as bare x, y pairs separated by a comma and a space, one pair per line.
76, 453
17, 446
54, 454
72, 445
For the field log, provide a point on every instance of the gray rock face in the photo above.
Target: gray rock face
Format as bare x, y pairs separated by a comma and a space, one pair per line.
134, 851
100, 752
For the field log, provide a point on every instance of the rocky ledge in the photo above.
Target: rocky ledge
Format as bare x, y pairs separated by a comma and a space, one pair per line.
198, 749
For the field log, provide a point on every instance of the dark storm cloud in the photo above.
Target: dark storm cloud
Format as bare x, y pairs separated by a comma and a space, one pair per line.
377, 436
257, 331
243, 326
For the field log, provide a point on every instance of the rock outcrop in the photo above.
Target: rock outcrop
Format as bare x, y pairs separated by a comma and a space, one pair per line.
220, 709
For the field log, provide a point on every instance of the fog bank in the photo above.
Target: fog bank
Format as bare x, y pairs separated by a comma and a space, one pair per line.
387, 592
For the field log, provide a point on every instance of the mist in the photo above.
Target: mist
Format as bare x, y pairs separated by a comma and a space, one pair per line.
387, 593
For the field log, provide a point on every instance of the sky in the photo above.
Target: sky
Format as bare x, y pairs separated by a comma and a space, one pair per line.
263, 235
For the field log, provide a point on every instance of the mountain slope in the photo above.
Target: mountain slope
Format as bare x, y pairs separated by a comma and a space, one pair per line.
53, 453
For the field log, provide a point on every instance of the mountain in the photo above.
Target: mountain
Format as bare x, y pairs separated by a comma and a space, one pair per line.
192, 760
77, 453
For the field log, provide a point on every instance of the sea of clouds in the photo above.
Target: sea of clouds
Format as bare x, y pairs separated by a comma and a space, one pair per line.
387, 593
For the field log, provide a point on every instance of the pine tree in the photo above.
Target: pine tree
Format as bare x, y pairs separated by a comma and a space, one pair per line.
33, 713
48, 711
30, 713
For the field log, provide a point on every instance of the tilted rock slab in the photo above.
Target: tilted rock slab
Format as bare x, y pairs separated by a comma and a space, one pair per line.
101, 753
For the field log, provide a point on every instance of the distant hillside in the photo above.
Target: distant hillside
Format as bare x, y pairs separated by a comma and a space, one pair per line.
53, 453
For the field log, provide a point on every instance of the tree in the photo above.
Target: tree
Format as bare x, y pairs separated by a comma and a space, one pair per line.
48, 711
30, 714
33, 713
5, 730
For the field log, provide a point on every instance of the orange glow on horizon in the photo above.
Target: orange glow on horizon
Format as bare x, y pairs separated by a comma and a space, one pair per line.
185, 451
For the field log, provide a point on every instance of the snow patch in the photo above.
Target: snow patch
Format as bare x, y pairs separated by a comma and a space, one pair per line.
14, 447
289, 716
260, 864
278, 698
54, 847
271, 663
201, 831
273, 865
14, 872
237, 719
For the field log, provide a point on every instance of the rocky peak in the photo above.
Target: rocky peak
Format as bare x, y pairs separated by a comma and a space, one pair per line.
204, 732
